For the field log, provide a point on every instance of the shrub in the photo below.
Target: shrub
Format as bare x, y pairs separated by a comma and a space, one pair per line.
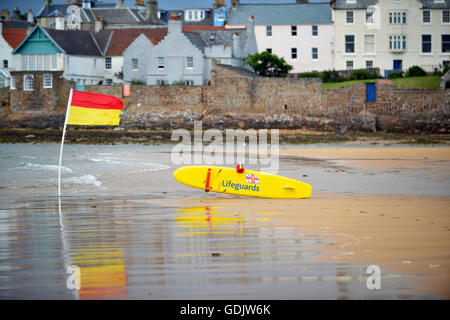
312, 74
137, 82
360, 75
331, 76
395, 74
415, 71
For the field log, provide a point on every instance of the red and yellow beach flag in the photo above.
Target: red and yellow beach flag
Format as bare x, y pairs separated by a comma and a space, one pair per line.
94, 109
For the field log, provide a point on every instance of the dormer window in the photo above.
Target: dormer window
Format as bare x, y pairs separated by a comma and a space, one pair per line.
194, 15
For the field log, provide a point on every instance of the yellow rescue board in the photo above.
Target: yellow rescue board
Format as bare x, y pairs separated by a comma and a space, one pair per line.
249, 183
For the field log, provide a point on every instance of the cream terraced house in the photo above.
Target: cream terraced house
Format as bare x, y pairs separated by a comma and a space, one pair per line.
301, 33
391, 34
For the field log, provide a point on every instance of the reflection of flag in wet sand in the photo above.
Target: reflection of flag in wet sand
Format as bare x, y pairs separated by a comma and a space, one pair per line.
103, 273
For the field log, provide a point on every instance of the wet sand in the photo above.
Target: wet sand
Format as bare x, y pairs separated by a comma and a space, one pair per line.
407, 234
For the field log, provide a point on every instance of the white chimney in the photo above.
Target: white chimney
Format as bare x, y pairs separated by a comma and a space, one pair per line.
236, 45
59, 22
98, 24
174, 24
30, 16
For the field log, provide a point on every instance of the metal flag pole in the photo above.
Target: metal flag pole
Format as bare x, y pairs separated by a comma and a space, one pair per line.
62, 142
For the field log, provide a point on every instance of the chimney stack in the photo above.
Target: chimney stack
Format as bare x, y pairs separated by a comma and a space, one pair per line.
251, 46
30, 16
77, 2
47, 2
121, 4
5, 14
152, 12
139, 4
16, 14
68, 1
236, 45
218, 4
59, 22
174, 24
234, 4
98, 24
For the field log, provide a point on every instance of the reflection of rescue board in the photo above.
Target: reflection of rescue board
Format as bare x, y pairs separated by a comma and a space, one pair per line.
242, 182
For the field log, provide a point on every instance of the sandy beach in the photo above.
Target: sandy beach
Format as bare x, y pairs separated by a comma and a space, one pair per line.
408, 234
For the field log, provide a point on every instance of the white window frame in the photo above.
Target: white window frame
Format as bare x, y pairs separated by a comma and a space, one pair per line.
364, 44
316, 53
442, 43
108, 63
423, 16
294, 51
294, 31
45, 81
371, 62
5, 63
135, 64
398, 42
26, 86
269, 31
422, 42
347, 65
108, 82
317, 30
160, 63
347, 16
188, 82
189, 62
397, 17
12, 85
345, 44
442, 16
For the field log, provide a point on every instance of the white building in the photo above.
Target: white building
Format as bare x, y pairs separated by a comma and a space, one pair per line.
301, 33
391, 34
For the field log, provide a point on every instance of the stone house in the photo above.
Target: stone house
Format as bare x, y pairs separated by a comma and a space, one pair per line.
301, 33
391, 35
186, 53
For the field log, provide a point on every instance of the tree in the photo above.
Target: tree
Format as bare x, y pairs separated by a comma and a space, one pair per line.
267, 64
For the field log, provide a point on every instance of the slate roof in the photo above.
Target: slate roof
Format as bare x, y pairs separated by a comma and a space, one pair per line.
430, 4
52, 10
14, 36
241, 71
196, 40
359, 4
281, 14
75, 42
122, 38
363, 4
223, 37
15, 24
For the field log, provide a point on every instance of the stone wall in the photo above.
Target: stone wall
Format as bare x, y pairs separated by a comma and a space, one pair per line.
4, 97
238, 98
40, 100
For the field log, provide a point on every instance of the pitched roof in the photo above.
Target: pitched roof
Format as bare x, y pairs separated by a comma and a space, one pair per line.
52, 10
223, 37
430, 4
196, 40
14, 36
15, 24
75, 42
292, 13
122, 38
359, 4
